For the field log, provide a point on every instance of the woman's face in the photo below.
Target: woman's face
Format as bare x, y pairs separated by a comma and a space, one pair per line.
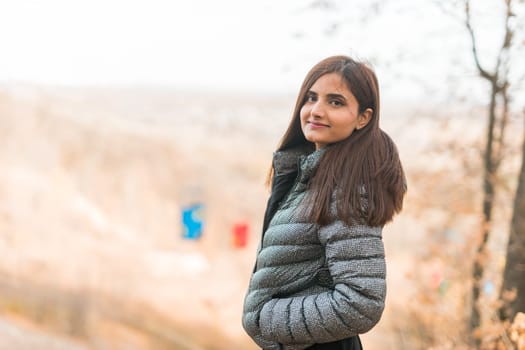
330, 112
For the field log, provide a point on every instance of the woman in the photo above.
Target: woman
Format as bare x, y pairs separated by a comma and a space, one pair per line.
319, 278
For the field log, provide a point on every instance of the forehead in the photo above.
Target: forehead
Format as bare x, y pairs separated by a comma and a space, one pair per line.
330, 83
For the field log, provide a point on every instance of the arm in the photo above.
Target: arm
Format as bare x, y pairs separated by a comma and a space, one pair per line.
355, 258
250, 319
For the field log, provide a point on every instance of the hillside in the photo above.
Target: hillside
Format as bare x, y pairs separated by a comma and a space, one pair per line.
92, 182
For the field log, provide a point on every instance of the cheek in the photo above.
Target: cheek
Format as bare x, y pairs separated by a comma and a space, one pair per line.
303, 114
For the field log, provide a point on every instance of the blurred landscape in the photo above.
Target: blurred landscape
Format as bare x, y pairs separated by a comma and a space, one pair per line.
92, 182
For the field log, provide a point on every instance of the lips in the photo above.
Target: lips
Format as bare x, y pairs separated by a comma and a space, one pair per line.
316, 125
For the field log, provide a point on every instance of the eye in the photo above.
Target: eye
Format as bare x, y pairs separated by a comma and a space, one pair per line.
310, 98
337, 103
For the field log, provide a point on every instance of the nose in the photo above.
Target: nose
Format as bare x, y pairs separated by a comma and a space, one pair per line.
317, 109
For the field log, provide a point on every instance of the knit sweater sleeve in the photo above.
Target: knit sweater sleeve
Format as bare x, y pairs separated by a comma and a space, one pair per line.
356, 262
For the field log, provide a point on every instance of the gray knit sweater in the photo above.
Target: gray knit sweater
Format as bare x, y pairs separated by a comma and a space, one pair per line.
313, 284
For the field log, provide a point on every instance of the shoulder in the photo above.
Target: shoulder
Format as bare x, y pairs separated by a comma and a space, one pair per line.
286, 161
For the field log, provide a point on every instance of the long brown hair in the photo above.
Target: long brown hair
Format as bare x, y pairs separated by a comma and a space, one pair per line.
363, 170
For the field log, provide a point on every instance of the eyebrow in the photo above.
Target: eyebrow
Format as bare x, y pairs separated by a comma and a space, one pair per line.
330, 95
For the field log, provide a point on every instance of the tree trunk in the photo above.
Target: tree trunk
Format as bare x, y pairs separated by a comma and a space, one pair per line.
514, 273
489, 173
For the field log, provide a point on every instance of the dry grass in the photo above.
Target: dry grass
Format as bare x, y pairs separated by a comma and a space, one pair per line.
92, 183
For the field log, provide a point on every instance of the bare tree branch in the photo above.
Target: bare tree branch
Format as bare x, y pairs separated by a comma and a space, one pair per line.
482, 72
505, 46
450, 13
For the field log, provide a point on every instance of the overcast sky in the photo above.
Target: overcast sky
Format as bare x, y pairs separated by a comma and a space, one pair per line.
228, 44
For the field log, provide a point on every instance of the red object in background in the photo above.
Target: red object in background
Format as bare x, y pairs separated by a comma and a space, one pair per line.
240, 235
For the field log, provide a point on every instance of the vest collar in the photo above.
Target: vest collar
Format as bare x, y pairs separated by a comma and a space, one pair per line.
295, 159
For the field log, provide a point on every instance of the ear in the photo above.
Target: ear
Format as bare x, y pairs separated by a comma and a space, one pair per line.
364, 118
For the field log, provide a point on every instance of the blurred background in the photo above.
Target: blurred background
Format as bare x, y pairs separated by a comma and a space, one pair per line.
135, 139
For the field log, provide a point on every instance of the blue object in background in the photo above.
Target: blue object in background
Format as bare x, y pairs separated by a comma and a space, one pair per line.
192, 221
488, 287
